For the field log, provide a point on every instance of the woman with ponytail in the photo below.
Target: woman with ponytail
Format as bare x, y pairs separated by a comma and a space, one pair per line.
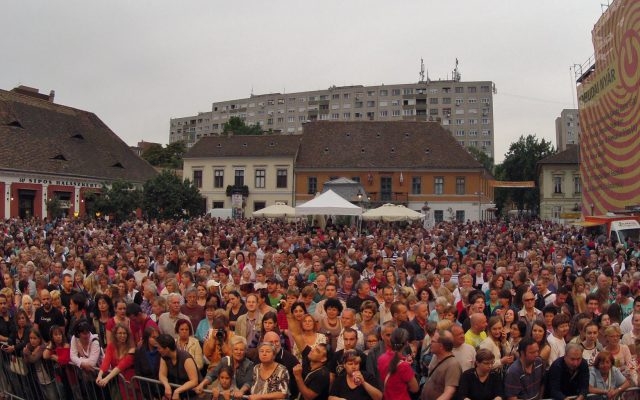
398, 378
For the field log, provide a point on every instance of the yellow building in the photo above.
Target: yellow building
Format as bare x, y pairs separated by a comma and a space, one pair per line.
260, 168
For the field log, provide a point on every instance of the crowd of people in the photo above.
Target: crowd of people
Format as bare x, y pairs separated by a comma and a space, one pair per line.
521, 309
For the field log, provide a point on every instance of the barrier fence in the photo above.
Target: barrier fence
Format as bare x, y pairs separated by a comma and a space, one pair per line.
45, 379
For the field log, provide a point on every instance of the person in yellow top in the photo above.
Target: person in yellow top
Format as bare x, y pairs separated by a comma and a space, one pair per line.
476, 334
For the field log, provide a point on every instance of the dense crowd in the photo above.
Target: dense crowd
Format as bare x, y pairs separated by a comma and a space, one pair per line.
273, 310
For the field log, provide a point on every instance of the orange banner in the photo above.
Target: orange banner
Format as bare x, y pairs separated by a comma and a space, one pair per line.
512, 184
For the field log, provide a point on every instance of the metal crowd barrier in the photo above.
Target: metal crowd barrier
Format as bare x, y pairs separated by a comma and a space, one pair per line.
49, 381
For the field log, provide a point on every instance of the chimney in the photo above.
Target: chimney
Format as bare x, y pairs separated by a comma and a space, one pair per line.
52, 95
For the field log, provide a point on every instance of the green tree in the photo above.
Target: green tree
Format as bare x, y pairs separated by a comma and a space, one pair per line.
520, 164
482, 158
237, 126
169, 156
168, 196
120, 200
54, 208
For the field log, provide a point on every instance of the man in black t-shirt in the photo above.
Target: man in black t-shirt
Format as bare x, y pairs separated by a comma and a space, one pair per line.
47, 316
312, 377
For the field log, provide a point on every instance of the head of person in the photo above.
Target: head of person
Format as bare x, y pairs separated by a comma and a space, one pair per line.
166, 344
604, 361
478, 322
573, 356
443, 341
529, 350
484, 360
458, 335
385, 333
238, 348
273, 338
266, 352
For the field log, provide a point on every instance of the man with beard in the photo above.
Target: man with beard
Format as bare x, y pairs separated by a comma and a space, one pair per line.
47, 316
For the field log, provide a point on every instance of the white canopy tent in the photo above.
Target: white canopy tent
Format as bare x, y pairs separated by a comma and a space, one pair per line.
392, 212
278, 210
328, 203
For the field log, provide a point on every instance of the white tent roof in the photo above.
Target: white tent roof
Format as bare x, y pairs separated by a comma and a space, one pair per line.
278, 210
328, 203
392, 212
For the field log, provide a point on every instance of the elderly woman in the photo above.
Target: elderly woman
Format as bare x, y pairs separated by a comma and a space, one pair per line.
482, 382
606, 379
241, 366
270, 379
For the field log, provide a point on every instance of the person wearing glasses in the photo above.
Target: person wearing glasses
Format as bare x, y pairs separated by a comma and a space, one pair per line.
482, 382
529, 312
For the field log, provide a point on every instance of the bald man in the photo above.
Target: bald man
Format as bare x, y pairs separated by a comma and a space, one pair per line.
476, 333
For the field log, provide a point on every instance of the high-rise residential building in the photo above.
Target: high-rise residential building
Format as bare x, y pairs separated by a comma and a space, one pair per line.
464, 108
567, 129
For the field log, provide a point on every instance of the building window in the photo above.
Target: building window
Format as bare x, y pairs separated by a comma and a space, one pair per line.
433, 100
556, 211
355, 179
261, 175
459, 89
197, 178
577, 186
239, 177
385, 188
557, 184
416, 185
395, 113
217, 204
281, 179
259, 205
384, 92
395, 92
460, 185
312, 185
218, 178
460, 215
438, 215
438, 185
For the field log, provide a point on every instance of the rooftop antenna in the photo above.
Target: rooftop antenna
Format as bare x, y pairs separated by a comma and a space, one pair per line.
605, 7
251, 91
428, 80
421, 70
455, 76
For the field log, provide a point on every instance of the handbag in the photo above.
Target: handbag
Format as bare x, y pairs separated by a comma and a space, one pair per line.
17, 366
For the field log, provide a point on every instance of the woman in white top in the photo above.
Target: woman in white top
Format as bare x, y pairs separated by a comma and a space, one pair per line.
495, 342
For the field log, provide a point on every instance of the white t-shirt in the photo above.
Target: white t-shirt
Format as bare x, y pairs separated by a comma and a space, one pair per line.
557, 348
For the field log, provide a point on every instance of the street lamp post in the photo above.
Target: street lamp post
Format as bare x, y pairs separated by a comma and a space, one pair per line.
479, 194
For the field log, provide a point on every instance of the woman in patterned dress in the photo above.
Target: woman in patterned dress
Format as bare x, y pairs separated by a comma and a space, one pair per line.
270, 379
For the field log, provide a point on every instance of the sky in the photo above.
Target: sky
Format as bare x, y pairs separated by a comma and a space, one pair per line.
136, 64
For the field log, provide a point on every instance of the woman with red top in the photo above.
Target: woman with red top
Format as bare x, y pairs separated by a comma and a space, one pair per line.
120, 318
118, 357
396, 374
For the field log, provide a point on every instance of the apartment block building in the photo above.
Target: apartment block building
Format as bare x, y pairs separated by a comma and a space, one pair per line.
567, 129
464, 108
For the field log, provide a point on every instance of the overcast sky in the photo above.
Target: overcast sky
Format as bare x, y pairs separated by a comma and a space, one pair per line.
136, 64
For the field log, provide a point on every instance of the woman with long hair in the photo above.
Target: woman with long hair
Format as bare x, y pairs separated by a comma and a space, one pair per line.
496, 342
147, 357
118, 357
119, 318
539, 335
398, 378
103, 312
235, 308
